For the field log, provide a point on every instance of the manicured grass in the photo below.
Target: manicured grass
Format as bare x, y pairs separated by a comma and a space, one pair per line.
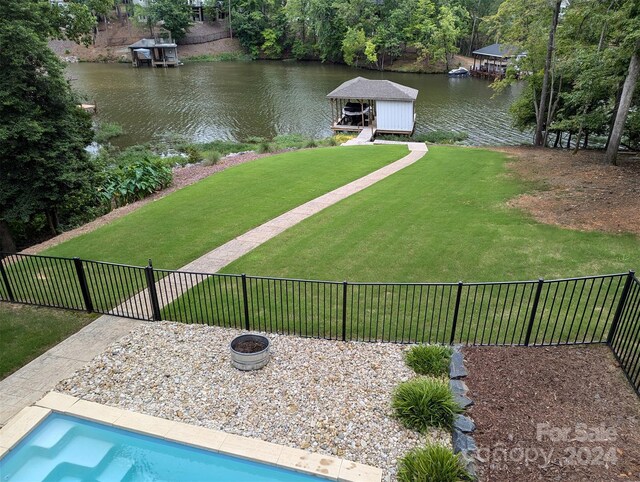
27, 331
198, 218
442, 219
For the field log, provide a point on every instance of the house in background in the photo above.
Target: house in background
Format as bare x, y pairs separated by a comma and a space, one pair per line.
369, 106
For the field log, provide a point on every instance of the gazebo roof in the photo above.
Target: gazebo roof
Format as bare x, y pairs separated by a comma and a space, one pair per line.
497, 50
361, 88
147, 43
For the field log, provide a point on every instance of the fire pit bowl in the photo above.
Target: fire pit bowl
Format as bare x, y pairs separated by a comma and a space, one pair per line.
249, 352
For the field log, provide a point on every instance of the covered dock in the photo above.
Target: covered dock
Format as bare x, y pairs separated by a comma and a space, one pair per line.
157, 52
491, 62
369, 106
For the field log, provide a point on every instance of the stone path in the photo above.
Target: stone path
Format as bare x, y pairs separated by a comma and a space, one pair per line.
32, 381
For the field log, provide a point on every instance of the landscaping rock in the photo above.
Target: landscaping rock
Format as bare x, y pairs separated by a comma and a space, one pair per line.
463, 401
456, 367
463, 443
470, 465
464, 424
458, 386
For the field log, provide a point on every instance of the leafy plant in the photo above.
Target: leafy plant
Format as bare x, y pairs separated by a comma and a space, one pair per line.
423, 402
265, 147
211, 158
106, 131
134, 181
434, 463
429, 359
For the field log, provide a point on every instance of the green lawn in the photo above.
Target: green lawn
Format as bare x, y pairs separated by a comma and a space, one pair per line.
192, 221
441, 219
27, 331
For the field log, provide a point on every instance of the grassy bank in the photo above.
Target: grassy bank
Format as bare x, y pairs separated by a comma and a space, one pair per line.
192, 221
27, 331
442, 219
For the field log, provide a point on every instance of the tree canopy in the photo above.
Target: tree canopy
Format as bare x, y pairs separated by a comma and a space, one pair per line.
43, 131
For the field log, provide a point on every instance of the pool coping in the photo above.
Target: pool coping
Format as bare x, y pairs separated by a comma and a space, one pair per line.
325, 466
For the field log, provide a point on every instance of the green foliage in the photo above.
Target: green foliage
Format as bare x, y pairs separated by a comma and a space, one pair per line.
430, 360
432, 137
353, 45
175, 15
105, 131
272, 45
265, 147
43, 133
433, 463
134, 178
211, 158
221, 57
423, 403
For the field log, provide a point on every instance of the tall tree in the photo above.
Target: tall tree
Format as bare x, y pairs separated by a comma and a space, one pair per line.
630, 82
542, 109
43, 132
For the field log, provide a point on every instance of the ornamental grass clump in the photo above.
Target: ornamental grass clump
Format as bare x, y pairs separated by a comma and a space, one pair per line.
433, 463
422, 403
430, 360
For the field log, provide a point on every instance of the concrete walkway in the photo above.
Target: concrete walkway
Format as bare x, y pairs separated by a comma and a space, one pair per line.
32, 381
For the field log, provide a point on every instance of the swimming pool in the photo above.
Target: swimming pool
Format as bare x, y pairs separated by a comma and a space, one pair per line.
68, 449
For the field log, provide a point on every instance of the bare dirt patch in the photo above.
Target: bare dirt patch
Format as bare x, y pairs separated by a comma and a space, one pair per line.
568, 410
182, 176
579, 191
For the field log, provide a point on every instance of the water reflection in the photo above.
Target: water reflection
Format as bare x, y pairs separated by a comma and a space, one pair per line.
235, 100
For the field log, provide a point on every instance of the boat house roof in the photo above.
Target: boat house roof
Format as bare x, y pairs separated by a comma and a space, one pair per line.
361, 88
149, 43
501, 51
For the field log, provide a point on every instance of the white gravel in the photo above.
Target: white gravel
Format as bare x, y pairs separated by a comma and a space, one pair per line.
323, 396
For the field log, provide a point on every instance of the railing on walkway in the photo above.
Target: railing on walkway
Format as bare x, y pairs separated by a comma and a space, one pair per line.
582, 310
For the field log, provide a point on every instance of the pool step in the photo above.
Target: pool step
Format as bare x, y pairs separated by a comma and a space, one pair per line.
117, 469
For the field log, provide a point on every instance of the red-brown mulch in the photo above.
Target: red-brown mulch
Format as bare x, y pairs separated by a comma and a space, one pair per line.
554, 413
579, 191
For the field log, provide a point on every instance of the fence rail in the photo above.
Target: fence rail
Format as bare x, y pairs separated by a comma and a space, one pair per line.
589, 309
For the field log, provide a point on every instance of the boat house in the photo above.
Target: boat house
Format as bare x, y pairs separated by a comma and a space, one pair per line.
158, 52
491, 62
373, 106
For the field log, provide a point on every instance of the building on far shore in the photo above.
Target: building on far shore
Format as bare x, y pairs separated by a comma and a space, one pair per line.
158, 52
491, 62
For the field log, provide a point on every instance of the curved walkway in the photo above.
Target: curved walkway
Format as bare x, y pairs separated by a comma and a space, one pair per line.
32, 381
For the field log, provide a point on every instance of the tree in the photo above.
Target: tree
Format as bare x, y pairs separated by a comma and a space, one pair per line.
176, 15
624, 105
43, 132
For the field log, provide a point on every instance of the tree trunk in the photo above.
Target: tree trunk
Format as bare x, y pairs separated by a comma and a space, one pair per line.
540, 126
623, 109
7, 245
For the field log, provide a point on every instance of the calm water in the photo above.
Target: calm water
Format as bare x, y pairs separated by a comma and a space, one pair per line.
235, 100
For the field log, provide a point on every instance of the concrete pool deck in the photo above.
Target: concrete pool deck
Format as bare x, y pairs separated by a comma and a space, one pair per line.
32, 381
325, 466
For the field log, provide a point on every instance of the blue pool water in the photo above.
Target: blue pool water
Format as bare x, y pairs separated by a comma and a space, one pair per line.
69, 449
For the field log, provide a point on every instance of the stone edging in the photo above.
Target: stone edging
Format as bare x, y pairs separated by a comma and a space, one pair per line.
462, 442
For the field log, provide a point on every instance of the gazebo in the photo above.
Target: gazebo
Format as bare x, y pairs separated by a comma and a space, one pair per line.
158, 52
373, 105
492, 60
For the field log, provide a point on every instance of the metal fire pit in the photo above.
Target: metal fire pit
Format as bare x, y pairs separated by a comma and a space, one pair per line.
249, 361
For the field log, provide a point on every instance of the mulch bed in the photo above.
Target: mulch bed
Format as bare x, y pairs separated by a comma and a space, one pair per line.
555, 413
579, 191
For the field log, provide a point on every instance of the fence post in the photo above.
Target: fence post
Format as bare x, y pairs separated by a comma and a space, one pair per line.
621, 303
344, 310
534, 309
455, 313
153, 294
84, 287
246, 302
5, 279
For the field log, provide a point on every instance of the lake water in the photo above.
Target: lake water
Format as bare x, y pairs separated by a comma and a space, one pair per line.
236, 100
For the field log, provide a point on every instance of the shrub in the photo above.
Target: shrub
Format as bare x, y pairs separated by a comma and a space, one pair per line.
423, 402
434, 463
265, 147
107, 130
442, 137
429, 359
311, 143
342, 138
211, 158
287, 141
135, 180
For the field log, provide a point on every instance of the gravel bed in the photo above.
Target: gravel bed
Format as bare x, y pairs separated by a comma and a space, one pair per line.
323, 396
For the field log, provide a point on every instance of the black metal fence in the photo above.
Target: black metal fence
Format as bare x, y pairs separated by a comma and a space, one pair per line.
590, 309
